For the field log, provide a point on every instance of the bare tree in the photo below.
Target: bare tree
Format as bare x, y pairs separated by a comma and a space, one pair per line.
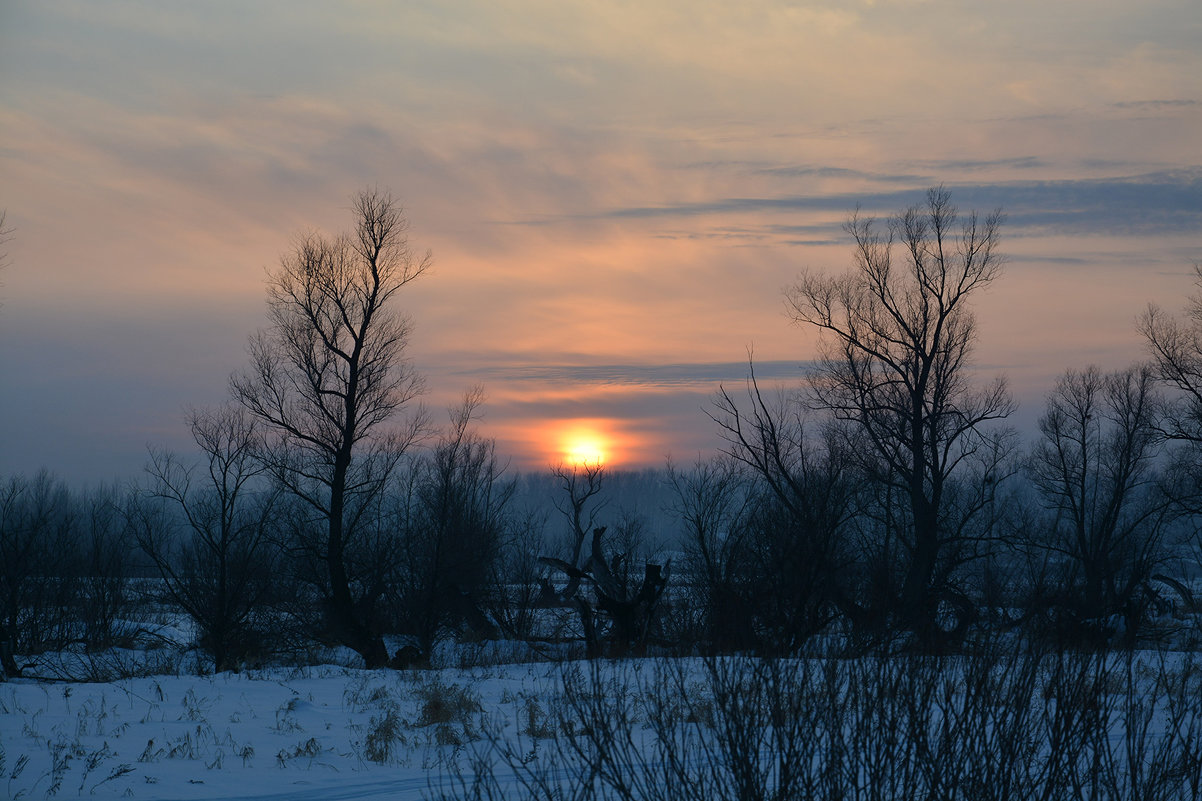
102, 548
895, 348
455, 518
38, 521
327, 379
1095, 468
794, 526
615, 611
580, 501
711, 502
1176, 346
218, 572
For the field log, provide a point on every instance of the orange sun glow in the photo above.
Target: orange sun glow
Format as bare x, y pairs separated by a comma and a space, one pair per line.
584, 451
582, 446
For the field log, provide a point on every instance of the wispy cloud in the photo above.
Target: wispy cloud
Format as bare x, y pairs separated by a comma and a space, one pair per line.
1148, 203
615, 193
944, 166
1158, 104
684, 374
812, 171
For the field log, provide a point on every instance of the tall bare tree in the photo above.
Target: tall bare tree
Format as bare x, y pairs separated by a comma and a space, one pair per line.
896, 342
328, 379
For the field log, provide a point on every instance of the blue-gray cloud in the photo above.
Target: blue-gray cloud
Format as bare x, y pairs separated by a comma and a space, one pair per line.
1157, 104
1162, 201
811, 171
943, 166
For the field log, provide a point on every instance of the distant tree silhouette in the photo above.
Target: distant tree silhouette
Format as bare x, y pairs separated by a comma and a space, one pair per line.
617, 610
64, 566
327, 380
787, 550
37, 522
218, 571
1176, 346
453, 517
1095, 470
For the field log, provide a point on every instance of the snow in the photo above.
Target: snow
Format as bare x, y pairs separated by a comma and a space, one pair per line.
278, 733
335, 732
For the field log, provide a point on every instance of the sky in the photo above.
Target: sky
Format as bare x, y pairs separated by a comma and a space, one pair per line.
615, 195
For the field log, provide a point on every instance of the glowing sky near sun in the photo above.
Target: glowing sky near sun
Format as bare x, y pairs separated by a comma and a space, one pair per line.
615, 194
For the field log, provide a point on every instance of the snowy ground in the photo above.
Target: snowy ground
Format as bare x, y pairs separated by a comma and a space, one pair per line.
1000, 725
320, 733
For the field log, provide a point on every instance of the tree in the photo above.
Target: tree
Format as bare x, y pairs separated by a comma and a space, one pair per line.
711, 502
37, 565
1095, 468
896, 341
327, 379
218, 572
455, 516
616, 611
102, 547
788, 559
1176, 348
580, 486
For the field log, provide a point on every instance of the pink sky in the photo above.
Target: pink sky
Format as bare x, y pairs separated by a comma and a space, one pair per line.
615, 194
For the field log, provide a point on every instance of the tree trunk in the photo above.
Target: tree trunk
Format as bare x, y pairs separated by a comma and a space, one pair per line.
8, 664
349, 629
917, 607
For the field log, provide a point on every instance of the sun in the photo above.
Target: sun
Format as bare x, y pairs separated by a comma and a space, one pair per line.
584, 449
591, 442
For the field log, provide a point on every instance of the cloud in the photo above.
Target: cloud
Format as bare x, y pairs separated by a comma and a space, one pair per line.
682, 374
615, 193
1158, 104
807, 171
943, 166
1140, 204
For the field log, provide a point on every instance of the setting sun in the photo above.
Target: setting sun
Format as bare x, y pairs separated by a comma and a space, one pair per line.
584, 449
584, 442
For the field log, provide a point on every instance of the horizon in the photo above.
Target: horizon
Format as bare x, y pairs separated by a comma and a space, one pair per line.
614, 197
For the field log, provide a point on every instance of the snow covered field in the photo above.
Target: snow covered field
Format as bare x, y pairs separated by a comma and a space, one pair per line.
1059, 727
324, 732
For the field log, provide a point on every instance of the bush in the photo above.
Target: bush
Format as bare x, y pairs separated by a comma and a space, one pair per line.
1000, 722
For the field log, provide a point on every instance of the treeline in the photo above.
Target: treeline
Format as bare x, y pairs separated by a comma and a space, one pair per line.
65, 567
884, 501
449, 548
